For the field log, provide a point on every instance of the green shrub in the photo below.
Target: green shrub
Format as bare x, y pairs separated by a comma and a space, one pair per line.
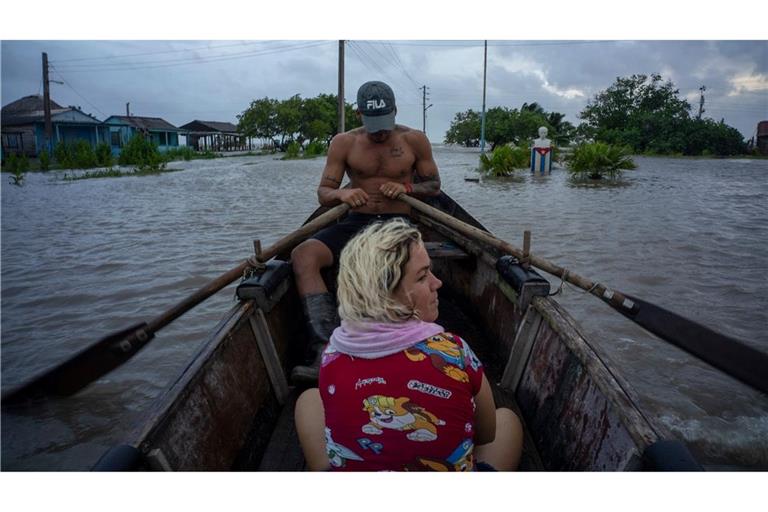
292, 151
598, 159
315, 148
17, 166
45, 160
180, 153
22, 164
64, 156
504, 160
140, 151
84, 155
104, 155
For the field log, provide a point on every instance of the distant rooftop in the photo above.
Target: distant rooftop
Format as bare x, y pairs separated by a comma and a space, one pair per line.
146, 123
29, 109
210, 126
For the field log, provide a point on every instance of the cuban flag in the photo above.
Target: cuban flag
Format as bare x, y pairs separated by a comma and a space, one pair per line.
541, 160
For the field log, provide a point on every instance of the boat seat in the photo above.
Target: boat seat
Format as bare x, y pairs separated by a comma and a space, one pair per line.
445, 250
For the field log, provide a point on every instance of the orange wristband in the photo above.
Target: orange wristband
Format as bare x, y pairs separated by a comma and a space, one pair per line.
408, 188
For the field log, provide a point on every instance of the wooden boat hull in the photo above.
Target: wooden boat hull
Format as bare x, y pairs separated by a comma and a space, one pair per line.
222, 411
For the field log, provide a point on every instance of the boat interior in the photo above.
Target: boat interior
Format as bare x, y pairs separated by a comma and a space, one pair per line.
283, 453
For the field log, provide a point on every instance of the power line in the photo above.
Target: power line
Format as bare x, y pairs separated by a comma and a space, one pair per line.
81, 96
471, 44
377, 52
374, 66
83, 68
187, 60
400, 62
366, 58
177, 50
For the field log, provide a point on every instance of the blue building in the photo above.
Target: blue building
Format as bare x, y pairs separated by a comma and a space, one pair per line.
160, 131
23, 126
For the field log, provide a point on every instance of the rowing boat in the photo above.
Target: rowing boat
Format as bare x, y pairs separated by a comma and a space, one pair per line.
231, 408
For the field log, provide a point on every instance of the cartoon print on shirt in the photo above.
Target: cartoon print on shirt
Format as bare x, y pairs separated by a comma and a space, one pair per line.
460, 459
400, 414
445, 355
367, 444
338, 455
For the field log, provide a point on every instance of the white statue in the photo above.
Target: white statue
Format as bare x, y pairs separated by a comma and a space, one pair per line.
542, 141
541, 153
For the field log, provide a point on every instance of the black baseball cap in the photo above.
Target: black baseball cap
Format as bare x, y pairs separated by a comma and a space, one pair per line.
376, 103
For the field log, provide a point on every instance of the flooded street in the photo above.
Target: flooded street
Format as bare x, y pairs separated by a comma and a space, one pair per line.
81, 259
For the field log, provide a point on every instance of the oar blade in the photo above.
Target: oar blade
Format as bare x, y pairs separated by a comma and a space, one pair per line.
83, 368
731, 355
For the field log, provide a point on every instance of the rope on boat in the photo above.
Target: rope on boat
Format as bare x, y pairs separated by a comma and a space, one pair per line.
255, 267
564, 280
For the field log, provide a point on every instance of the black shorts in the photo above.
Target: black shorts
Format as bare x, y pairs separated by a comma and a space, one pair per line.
337, 235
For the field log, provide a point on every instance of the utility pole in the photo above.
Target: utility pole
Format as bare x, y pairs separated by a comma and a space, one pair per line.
482, 117
424, 108
341, 87
128, 109
47, 105
701, 100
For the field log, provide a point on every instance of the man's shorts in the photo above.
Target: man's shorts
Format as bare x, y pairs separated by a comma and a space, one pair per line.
337, 235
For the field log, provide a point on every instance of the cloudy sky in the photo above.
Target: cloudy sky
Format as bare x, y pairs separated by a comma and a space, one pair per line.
215, 79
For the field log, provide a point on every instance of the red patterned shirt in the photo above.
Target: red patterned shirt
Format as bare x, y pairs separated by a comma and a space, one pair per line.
412, 410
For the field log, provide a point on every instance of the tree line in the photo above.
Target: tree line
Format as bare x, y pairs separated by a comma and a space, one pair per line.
505, 125
644, 113
296, 120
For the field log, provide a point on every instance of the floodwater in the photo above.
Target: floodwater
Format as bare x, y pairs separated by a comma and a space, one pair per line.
81, 259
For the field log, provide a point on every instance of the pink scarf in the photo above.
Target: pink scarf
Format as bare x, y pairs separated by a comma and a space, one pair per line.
371, 340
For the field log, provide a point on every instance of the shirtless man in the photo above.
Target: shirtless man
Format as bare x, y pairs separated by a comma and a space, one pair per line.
379, 159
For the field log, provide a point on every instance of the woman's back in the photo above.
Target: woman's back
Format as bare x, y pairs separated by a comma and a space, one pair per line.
411, 410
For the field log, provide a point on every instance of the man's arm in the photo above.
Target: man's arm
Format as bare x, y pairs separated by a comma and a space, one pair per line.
328, 192
426, 168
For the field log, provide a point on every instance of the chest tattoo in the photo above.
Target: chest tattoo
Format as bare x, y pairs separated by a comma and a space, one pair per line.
396, 152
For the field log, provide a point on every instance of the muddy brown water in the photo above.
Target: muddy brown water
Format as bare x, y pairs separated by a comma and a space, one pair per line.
83, 258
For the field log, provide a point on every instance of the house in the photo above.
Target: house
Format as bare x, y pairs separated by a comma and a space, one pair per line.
23, 126
215, 136
160, 131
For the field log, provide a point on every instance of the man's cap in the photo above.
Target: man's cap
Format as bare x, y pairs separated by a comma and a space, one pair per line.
376, 103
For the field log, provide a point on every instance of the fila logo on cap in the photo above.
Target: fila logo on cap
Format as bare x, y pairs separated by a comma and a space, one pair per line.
375, 104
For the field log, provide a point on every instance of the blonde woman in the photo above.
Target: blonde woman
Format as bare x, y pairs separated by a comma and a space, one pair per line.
397, 392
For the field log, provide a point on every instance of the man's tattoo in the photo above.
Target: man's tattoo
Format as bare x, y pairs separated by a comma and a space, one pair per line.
334, 180
396, 152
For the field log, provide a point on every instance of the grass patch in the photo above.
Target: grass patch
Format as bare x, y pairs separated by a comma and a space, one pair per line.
117, 173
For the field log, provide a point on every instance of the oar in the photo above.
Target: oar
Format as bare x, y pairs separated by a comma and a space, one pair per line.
110, 352
730, 355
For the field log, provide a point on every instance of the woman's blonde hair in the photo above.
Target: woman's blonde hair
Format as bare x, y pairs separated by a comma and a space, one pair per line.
371, 266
